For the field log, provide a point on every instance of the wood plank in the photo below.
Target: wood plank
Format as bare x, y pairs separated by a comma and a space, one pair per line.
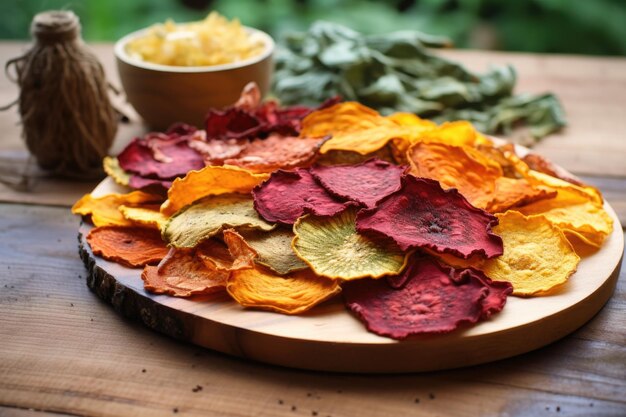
55, 358
28, 412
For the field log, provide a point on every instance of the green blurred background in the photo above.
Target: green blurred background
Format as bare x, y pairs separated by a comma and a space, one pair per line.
595, 27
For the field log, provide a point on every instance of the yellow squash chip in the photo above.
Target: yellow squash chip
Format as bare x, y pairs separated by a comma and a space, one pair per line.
460, 133
537, 256
333, 248
210, 215
514, 192
274, 249
211, 180
573, 212
291, 294
413, 120
104, 211
459, 167
353, 126
146, 215
113, 169
540, 179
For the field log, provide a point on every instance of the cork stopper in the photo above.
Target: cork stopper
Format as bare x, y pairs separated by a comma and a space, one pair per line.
55, 26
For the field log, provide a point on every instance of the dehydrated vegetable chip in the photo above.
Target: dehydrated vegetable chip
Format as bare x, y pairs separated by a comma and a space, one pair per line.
147, 215
337, 157
573, 212
422, 214
130, 246
288, 195
459, 167
353, 126
274, 249
365, 183
183, 274
242, 253
210, 215
514, 192
291, 294
161, 155
333, 248
428, 302
112, 167
104, 211
457, 133
537, 256
498, 290
232, 254
211, 180
276, 152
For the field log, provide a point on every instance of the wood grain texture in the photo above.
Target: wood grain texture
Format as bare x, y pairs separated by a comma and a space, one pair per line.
63, 351
328, 338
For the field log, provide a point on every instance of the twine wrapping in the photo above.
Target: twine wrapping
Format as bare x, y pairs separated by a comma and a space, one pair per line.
68, 122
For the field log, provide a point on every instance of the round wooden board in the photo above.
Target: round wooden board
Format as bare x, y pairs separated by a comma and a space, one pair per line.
329, 338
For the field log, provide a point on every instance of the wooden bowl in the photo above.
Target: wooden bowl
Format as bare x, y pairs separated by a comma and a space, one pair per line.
164, 94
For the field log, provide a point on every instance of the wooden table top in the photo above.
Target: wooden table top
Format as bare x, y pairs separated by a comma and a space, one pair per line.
64, 352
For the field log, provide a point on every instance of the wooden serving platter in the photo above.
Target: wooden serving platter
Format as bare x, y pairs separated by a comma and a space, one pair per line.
329, 338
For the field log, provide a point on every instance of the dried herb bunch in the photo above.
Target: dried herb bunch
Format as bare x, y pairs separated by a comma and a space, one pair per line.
67, 118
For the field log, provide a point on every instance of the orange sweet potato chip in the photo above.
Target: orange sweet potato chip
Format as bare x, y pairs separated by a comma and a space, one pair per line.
234, 253
459, 167
512, 166
183, 274
104, 211
542, 164
288, 294
513, 192
130, 246
211, 180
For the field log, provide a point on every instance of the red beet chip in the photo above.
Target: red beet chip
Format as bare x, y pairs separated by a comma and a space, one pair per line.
366, 183
138, 182
496, 297
424, 215
287, 195
161, 155
231, 123
249, 118
429, 302
498, 290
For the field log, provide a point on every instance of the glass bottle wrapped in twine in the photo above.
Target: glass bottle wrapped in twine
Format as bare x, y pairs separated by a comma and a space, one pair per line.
68, 122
